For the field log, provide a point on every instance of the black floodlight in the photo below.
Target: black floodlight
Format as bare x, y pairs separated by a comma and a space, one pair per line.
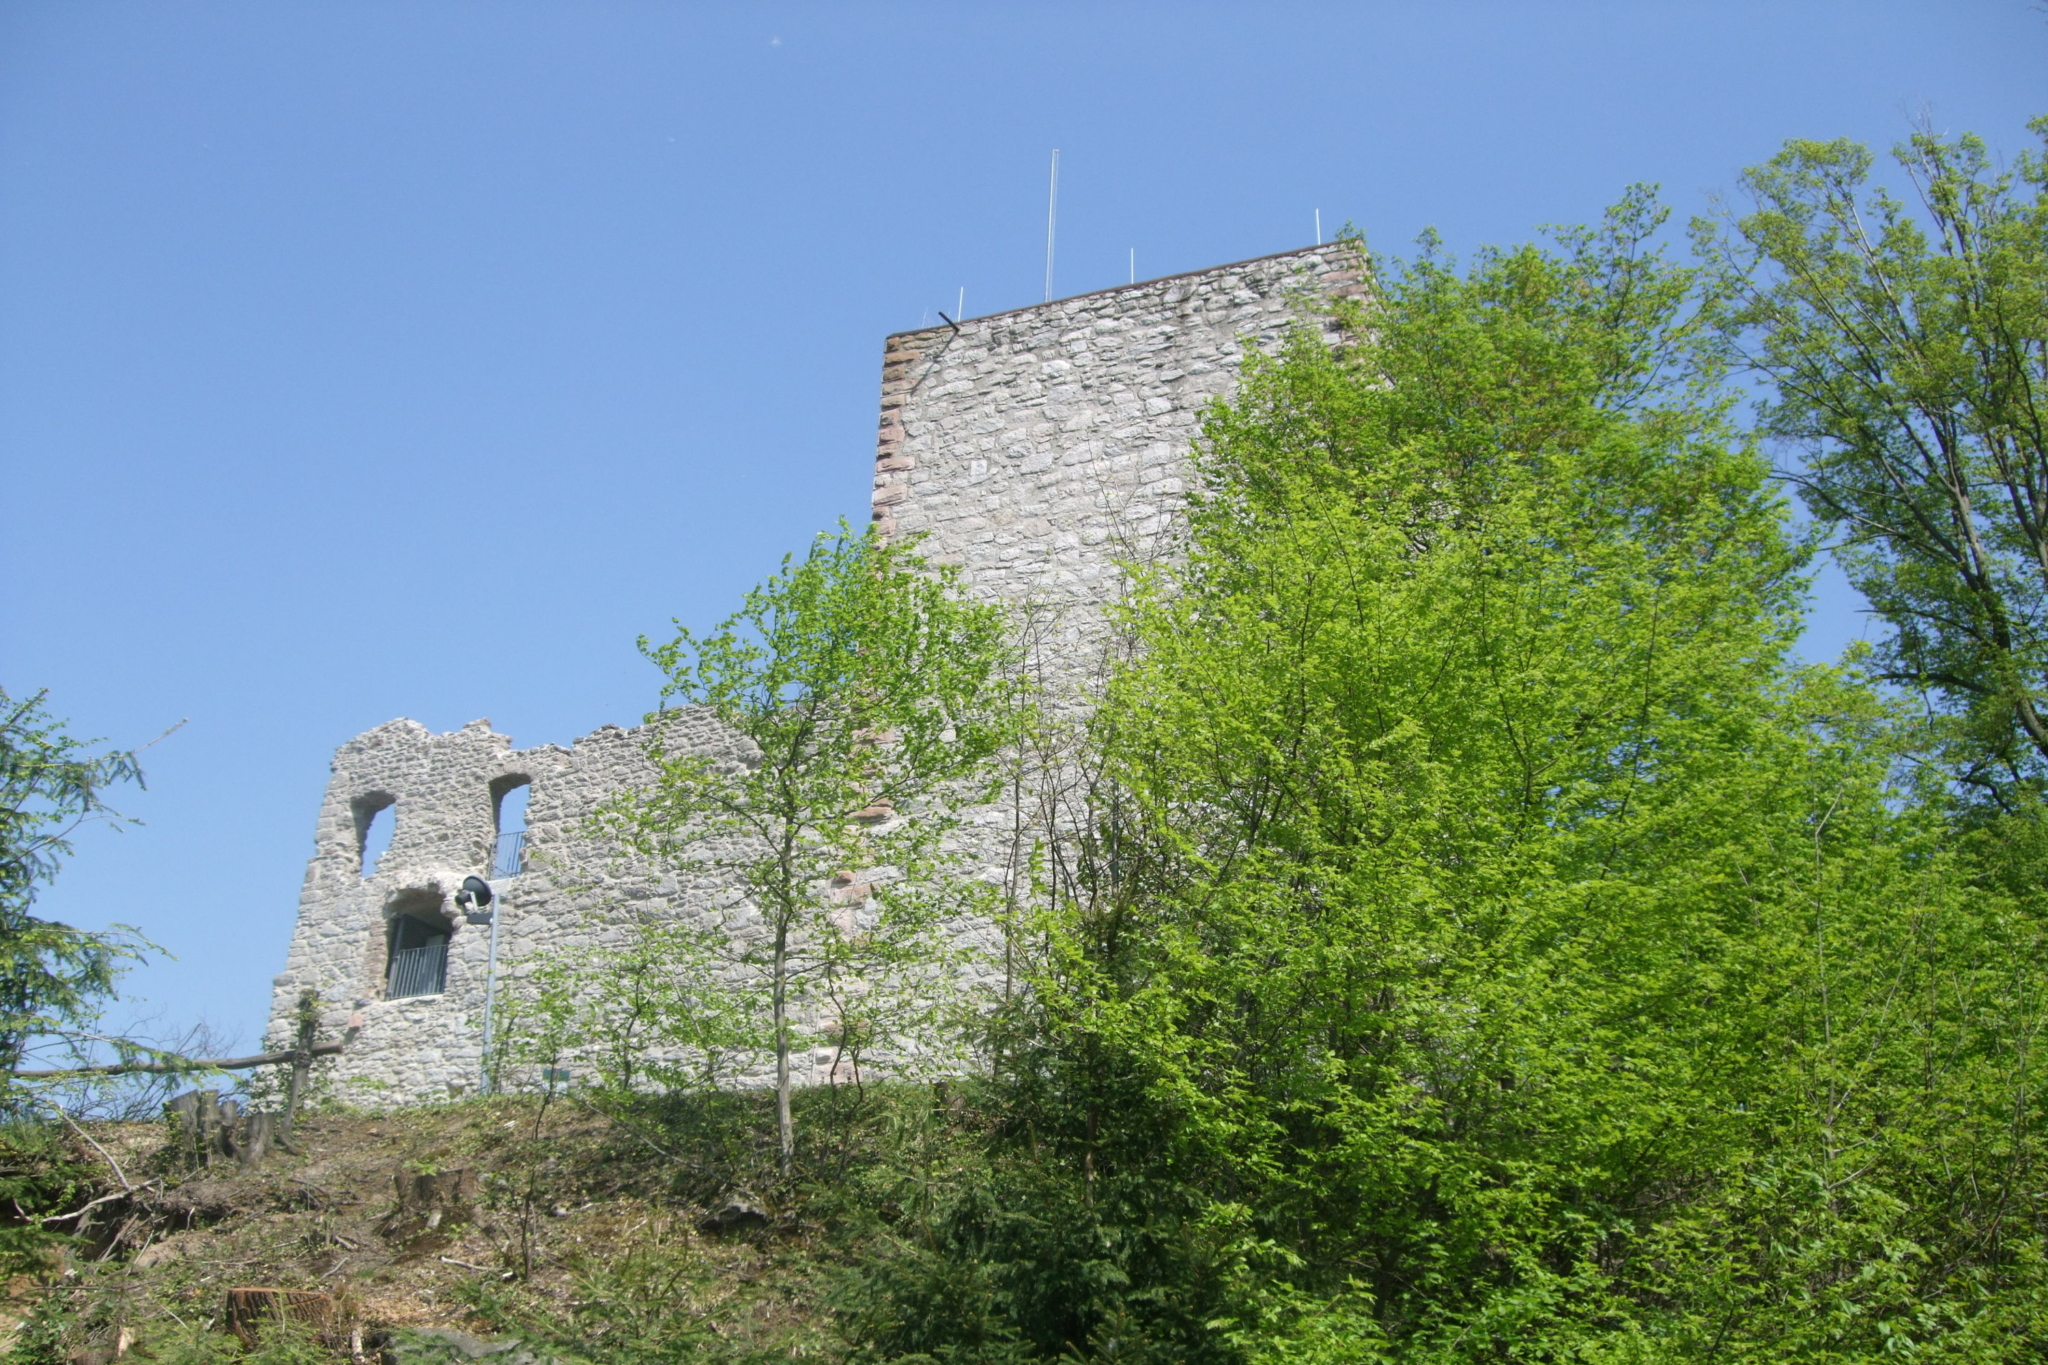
475, 898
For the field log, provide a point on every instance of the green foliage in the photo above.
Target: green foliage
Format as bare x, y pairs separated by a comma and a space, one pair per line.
1907, 349
641, 1302
1487, 943
42, 1176
52, 977
651, 1011
280, 1343
640, 1281
1024, 1257
40, 1338
873, 700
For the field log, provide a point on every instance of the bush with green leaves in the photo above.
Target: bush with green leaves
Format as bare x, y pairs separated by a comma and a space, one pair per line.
53, 978
44, 1176
652, 1010
872, 698
1902, 342
1491, 943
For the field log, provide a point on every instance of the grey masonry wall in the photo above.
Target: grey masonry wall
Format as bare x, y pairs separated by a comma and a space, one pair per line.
1035, 449
442, 792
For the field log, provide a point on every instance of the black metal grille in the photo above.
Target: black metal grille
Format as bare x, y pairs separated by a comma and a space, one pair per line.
510, 859
419, 971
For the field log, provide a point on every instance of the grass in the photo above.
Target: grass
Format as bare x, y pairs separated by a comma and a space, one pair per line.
587, 1238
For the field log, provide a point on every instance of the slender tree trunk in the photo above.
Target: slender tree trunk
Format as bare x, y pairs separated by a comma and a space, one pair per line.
302, 1064
785, 1127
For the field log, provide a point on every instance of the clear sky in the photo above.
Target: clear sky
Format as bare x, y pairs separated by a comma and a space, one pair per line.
362, 360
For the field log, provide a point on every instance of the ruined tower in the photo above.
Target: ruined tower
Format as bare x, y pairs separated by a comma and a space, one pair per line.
1035, 449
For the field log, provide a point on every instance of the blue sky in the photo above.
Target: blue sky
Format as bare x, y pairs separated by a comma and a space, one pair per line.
366, 359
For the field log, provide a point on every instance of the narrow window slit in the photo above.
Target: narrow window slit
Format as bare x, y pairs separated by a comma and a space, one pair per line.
376, 821
508, 813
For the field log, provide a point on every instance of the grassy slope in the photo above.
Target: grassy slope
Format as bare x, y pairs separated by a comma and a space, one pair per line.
585, 1238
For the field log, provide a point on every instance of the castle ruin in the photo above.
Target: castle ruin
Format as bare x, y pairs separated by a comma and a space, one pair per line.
1035, 449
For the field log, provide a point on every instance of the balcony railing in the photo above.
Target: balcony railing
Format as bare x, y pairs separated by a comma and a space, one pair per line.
509, 860
419, 971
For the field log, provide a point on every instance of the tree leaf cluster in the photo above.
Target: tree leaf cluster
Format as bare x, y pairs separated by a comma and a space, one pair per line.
53, 978
869, 698
1905, 346
1488, 941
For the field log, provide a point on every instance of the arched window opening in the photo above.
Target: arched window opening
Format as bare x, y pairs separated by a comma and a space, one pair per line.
508, 813
417, 948
375, 822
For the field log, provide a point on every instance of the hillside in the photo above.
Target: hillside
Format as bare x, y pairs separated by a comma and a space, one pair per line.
577, 1233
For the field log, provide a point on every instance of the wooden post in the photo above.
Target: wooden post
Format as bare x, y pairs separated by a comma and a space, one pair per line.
437, 1196
257, 1132
251, 1310
302, 1063
227, 1112
184, 1112
208, 1127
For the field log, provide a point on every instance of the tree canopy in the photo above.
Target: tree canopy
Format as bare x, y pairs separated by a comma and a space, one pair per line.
1905, 348
1492, 943
53, 978
871, 697
1465, 929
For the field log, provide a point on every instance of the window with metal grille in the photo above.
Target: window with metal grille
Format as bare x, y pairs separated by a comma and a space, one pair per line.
508, 809
419, 958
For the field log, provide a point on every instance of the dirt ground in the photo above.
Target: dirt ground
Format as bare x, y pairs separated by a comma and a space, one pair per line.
563, 1226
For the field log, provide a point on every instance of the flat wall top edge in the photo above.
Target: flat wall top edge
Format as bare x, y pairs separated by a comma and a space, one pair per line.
1123, 288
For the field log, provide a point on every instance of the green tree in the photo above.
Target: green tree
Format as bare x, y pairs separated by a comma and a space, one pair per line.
1906, 345
648, 1010
872, 699
53, 978
1491, 946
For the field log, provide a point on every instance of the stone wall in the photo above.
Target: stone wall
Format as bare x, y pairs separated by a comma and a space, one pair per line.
442, 793
1035, 449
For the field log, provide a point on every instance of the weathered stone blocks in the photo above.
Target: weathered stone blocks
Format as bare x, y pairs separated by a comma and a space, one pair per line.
1039, 450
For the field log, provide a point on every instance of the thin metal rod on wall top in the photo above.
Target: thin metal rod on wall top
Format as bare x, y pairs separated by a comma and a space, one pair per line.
1319, 227
1052, 218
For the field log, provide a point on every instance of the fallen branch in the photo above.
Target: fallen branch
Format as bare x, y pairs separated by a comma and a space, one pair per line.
633, 1125
119, 1174
488, 1270
181, 1065
80, 1213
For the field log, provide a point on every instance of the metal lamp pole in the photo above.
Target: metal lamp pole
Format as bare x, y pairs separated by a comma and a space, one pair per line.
477, 893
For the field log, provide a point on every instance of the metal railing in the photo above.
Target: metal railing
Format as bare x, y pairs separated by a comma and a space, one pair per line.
419, 971
509, 860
